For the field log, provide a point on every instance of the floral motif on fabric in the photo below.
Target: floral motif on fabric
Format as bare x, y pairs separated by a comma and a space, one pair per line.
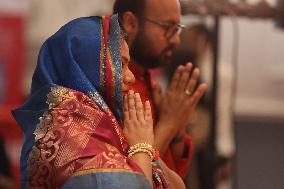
64, 140
97, 98
109, 158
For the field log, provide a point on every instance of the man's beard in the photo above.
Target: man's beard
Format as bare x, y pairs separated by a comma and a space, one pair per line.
142, 55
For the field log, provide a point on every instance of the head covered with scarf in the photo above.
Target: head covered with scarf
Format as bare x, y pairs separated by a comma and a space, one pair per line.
70, 120
84, 55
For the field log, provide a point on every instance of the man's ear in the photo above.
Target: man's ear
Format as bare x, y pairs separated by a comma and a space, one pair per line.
130, 23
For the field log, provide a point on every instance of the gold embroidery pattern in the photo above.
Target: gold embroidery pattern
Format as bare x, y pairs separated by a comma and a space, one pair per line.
97, 98
102, 58
56, 96
110, 158
112, 92
60, 137
118, 130
114, 159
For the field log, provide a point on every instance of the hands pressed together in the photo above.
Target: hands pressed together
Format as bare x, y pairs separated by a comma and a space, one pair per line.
138, 121
138, 130
183, 94
175, 109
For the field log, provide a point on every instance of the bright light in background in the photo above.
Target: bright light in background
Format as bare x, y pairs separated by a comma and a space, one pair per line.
271, 2
13, 6
260, 63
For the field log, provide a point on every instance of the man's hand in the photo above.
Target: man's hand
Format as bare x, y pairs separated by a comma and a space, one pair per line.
177, 105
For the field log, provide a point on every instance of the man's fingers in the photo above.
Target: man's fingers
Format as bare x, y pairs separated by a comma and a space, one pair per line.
199, 93
176, 78
184, 78
191, 85
148, 112
139, 108
131, 106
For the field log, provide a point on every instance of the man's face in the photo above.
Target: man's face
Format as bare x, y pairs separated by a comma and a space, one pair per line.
151, 46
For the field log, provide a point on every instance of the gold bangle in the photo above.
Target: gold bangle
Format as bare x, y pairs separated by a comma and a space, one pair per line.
141, 150
142, 146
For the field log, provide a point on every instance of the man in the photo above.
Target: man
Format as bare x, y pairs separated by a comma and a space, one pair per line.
153, 28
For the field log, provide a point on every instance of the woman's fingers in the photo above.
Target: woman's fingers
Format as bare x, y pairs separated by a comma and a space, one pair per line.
134, 111
125, 108
148, 113
131, 106
139, 108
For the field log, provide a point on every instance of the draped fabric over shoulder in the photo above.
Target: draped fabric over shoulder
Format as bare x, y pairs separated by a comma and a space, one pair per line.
72, 138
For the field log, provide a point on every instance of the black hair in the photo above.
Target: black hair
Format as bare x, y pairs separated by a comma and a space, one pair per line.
135, 6
122, 6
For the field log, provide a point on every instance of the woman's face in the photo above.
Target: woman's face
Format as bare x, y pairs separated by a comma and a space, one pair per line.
127, 76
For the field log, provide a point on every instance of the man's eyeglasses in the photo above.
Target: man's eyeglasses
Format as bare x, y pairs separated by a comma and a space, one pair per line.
171, 29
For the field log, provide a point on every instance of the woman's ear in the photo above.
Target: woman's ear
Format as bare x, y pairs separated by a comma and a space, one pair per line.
130, 23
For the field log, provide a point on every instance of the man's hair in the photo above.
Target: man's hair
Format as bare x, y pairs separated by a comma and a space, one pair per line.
135, 6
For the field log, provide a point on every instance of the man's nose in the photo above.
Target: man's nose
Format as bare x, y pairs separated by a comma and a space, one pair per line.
175, 40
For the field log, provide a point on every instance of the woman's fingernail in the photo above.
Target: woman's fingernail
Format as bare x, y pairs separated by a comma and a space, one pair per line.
137, 95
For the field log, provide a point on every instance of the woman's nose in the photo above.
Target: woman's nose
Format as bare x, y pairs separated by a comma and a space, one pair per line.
130, 79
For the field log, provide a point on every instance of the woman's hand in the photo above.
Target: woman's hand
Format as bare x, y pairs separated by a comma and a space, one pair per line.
138, 128
138, 122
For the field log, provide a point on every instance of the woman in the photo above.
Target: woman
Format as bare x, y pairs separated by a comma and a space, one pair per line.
73, 138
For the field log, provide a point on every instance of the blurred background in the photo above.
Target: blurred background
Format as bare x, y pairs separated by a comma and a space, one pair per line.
237, 129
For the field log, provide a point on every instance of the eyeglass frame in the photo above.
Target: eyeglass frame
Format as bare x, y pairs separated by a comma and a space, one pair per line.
166, 26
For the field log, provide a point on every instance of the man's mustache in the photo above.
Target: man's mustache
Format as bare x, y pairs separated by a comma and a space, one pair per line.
169, 48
